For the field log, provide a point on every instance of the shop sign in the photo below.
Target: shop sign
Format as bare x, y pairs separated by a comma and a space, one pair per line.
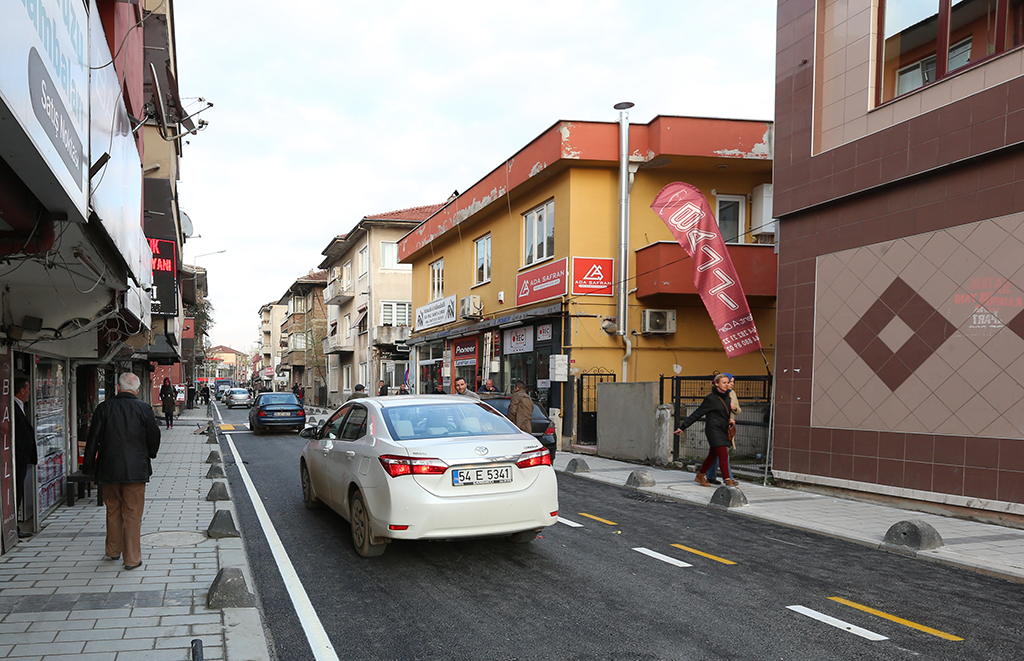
543, 332
465, 352
519, 340
8, 507
165, 277
592, 276
437, 313
542, 283
268, 373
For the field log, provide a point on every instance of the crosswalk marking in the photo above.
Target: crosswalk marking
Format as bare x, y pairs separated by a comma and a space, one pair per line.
837, 623
571, 524
663, 558
898, 620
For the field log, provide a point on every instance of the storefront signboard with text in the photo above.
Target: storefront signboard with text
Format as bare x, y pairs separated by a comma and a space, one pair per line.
542, 283
519, 340
543, 332
465, 352
437, 313
593, 276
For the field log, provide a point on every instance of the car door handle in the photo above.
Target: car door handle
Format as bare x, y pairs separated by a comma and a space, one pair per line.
350, 454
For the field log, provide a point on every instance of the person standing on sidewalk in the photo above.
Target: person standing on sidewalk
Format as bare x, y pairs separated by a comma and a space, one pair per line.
168, 395
358, 392
124, 438
734, 404
461, 388
25, 452
520, 407
716, 411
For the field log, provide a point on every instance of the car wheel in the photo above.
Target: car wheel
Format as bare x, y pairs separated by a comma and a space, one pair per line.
308, 499
524, 537
359, 517
256, 431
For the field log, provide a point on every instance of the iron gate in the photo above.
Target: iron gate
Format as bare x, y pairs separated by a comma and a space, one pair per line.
586, 403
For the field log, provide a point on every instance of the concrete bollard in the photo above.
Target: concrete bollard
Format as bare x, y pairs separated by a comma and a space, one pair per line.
223, 525
640, 478
215, 472
228, 590
910, 536
211, 431
577, 466
726, 497
218, 491
214, 457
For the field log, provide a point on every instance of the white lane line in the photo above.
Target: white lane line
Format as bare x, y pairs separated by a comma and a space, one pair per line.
571, 524
315, 633
839, 624
663, 558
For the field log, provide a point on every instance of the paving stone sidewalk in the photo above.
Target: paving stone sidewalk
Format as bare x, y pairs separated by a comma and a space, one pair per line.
60, 599
983, 547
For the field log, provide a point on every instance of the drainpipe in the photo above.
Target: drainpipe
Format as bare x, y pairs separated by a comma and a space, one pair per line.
622, 294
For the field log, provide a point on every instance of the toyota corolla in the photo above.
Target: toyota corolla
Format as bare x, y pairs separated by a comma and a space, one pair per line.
428, 467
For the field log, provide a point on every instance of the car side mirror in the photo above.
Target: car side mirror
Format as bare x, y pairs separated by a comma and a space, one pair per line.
308, 432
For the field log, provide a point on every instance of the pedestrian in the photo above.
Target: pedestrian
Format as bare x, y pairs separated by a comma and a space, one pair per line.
124, 438
191, 396
25, 452
403, 389
382, 391
438, 389
520, 408
488, 386
358, 391
715, 410
734, 405
206, 394
167, 397
461, 388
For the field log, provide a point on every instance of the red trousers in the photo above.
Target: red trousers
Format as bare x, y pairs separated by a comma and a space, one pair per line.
124, 520
722, 452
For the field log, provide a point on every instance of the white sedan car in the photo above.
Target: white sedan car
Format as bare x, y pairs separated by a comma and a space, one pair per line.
428, 467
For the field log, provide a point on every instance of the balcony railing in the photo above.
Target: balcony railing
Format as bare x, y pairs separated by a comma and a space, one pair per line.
390, 334
338, 292
338, 344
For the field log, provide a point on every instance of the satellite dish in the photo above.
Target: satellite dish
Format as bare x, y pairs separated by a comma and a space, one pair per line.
172, 90
158, 100
186, 226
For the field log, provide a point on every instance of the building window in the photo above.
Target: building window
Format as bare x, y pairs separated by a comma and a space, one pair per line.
437, 279
363, 262
389, 257
346, 325
917, 47
363, 374
296, 304
539, 233
483, 260
346, 276
298, 341
731, 213
346, 378
395, 313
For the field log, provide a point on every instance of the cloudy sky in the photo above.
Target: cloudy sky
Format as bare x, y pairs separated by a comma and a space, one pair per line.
328, 112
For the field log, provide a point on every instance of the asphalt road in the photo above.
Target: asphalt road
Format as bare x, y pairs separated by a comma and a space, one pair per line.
751, 590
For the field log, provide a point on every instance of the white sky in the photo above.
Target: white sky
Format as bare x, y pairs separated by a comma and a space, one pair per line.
331, 111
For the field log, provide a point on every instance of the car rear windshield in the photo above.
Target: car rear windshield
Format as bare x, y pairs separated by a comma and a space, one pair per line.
278, 398
445, 420
239, 391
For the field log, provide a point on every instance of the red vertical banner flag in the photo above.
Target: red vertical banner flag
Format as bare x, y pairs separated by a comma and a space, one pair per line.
686, 212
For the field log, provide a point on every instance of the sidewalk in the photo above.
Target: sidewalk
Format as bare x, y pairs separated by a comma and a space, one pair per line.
59, 599
987, 548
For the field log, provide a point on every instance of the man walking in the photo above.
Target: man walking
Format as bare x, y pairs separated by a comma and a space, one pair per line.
25, 453
123, 439
462, 389
520, 407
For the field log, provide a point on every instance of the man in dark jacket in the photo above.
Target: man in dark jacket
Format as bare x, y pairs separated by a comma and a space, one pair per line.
25, 453
715, 411
357, 392
123, 439
520, 407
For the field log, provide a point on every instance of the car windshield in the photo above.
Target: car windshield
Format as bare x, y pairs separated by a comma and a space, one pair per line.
239, 391
278, 398
445, 420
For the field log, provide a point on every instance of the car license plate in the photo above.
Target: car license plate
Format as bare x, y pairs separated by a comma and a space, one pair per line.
282, 413
493, 475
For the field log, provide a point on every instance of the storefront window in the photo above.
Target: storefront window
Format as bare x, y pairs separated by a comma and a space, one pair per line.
51, 428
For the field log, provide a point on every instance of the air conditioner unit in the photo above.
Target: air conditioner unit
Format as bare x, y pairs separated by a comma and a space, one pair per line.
401, 348
470, 307
657, 322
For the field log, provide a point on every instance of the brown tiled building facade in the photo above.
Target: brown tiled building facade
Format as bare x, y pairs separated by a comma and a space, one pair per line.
899, 183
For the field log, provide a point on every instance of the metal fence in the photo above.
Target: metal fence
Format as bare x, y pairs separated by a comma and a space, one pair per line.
754, 394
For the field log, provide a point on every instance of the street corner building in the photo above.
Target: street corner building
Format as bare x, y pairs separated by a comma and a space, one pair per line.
898, 179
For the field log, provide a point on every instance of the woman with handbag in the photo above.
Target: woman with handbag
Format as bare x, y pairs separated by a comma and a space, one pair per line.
716, 411
734, 403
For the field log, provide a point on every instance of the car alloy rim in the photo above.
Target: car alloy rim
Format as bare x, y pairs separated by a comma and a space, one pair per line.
359, 522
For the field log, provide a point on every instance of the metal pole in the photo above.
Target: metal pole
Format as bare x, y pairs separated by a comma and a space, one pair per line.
621, 304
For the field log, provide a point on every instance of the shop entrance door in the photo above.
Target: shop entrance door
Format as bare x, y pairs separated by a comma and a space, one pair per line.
586, 403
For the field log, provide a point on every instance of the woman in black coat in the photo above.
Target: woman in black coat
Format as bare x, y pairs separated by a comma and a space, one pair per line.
715, 410
168, 397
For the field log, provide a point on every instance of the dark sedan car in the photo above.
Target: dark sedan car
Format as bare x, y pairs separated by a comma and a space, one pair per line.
276, 410
543, 428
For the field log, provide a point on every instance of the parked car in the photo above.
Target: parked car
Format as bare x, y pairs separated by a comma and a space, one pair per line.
238, 397
543, 427
427, 467
276, 410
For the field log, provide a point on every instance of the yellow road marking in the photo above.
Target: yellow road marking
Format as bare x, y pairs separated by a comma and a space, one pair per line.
227, 427
898, 620
597, 518
706, 555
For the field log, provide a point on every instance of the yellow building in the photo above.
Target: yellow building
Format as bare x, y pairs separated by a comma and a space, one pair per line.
524, 265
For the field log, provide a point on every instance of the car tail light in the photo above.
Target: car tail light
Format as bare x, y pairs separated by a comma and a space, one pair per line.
262, 413
394, 527
539, 457
555, 513
395, 466
550, 431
